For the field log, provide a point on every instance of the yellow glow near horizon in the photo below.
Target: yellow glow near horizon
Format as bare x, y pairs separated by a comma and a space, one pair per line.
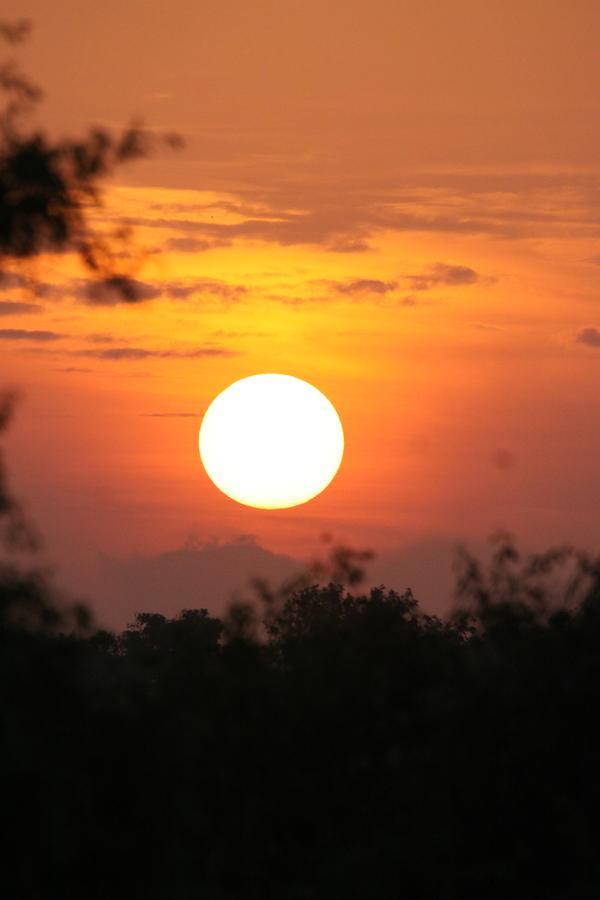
271, 441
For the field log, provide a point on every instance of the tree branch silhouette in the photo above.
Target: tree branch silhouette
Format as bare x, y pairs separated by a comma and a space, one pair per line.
50, 188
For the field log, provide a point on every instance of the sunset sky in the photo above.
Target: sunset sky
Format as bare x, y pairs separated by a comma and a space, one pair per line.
398, 202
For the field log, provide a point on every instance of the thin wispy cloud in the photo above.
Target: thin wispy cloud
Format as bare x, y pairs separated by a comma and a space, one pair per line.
194, 245
181, 290
18, 308
101, 337
23, 334
512, 205
11, 281
110, 292
118, 354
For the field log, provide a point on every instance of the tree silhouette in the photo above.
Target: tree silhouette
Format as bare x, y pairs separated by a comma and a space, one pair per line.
352, 746
49, 188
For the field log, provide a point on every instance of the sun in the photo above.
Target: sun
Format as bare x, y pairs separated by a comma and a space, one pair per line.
271, 441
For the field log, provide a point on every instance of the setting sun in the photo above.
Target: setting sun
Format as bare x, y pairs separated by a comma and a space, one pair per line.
271, 441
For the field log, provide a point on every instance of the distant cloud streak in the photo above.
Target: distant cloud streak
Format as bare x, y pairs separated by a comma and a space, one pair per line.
443, 274
16, 308
22, 334
110, 291
136, 353
194, 245
365, 286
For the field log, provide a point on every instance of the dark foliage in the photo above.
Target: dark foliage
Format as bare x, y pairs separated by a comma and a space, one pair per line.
354, 748
50, 188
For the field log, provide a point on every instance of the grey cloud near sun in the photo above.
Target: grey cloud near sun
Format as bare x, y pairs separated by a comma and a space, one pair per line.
590, 337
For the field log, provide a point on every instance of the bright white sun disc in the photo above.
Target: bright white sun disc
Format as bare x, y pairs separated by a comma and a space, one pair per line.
271, 441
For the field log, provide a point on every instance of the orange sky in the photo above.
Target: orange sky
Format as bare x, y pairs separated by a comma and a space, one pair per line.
397, 201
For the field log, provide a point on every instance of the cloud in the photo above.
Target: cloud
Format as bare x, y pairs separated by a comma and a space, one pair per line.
344, 226
364, 286
359, 290
137, 353
444, 274
590, 337
16, 308
10, 280
181, 290
16, 281
454, 199
72, 369
363, 289
21, 334
101, 338
194, 245
225, 333
349, 245
118, 289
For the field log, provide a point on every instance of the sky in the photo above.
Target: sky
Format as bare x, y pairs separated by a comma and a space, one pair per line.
396, 201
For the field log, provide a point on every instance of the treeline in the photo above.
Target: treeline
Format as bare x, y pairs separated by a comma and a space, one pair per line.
321, 743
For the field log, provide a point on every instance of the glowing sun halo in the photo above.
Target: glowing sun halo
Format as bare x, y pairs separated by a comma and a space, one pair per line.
271, 441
